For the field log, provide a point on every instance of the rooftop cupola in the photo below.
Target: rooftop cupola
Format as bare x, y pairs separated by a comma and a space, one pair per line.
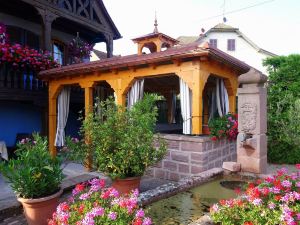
154, 41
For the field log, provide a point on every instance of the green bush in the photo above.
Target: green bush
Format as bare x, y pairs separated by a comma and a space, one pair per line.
35, 173
121, 140
283, 109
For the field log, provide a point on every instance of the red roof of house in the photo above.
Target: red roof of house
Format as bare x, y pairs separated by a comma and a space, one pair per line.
179, 52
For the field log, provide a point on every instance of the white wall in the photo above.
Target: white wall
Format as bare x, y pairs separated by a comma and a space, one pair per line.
243, 51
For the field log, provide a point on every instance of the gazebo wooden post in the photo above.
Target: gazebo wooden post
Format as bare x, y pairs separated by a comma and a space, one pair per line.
197, 103
53, 93
88, 103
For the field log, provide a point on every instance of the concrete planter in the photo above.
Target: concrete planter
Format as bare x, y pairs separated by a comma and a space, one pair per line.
37, 211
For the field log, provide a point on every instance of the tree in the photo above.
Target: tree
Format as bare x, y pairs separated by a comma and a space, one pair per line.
283, 109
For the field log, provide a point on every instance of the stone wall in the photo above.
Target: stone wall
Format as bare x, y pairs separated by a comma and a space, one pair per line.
190, 155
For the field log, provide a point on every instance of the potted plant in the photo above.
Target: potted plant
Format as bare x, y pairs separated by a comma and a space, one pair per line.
224, 127
35, 177
92, 203
123, 141
79, 50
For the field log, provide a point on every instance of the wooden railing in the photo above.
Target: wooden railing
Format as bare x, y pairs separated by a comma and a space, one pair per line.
14, 79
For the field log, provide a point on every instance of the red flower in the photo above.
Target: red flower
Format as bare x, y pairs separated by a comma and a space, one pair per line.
248, 223
298, 166
79, 187
138, 221
277, 197
214, 138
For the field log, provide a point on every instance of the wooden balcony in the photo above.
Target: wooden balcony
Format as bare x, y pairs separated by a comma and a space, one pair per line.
22, 86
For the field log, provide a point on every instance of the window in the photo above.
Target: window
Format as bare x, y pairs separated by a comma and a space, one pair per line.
58, 52
23, 37
231, 44
213, 43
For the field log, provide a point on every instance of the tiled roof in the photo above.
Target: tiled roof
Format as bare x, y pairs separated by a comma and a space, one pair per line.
187, 39
154, 34
180, 52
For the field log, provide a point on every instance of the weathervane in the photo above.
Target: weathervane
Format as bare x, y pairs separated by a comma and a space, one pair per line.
155, 24
223, 6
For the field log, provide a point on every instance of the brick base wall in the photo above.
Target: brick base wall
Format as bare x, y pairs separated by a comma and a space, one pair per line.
190, 155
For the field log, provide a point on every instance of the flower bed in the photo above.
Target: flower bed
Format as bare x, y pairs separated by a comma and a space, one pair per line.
274, 200
225, 126
91, 203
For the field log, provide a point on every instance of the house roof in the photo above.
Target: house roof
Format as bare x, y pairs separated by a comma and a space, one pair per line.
116, 32
187, 39
222, 27
184, 52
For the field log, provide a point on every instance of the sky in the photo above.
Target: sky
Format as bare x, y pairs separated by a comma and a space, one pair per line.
274, 25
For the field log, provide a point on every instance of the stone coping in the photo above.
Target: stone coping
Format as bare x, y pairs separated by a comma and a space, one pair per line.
182, 137
184, 184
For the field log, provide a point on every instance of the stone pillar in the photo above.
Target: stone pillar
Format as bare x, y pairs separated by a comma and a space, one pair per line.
252, 117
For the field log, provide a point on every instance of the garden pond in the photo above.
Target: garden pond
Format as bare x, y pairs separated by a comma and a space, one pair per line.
186, 207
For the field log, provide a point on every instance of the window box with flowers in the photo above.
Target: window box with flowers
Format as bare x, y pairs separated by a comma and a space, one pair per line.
224, 127
23, 58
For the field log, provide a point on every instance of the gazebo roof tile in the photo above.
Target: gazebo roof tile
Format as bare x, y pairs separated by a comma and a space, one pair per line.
178, 52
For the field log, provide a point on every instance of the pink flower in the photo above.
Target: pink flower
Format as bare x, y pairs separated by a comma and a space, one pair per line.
298, 166
147, 221
112, 215
271, 205
140, 213
257, 201
286, 184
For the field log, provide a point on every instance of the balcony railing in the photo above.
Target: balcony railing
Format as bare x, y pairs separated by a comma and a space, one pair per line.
13, 79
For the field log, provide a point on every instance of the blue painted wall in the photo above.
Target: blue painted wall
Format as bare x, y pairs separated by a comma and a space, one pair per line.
18, 118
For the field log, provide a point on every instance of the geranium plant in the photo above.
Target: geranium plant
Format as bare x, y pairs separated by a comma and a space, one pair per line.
79, 48
224, 127
92, 203
23, 58
274, 200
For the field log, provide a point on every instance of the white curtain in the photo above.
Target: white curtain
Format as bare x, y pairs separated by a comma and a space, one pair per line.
135, 93
63, 102
186, 107
100, 96
221, 97
173, 109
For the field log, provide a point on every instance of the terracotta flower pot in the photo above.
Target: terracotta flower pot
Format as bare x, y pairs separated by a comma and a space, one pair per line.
126, 185
38, 210
205, 129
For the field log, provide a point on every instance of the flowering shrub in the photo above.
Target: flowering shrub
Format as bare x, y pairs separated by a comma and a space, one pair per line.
79, 48
3, 34
226, 126
95, 204
275, 200
34, 173
23, 58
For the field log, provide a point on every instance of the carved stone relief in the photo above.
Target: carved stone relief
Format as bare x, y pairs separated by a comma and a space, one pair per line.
248, 117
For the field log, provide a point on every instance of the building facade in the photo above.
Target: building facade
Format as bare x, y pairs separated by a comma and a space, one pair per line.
45, 25
232, 41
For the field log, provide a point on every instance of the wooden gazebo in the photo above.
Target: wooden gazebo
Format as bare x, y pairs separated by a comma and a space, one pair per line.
193, 63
